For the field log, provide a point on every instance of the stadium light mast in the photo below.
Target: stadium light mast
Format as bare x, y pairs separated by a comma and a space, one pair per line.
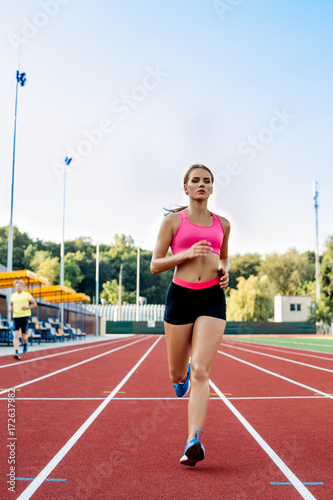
137, 284
62, 247
20, 79
97, 288
120, 292
316, 206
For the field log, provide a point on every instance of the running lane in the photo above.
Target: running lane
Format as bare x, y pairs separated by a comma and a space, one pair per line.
132, 449
44, 426
49, 363
318, 377
297, 429
321, 359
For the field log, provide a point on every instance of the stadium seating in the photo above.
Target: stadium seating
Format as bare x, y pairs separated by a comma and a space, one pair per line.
75, 333
59, 333
32, 336
6, 332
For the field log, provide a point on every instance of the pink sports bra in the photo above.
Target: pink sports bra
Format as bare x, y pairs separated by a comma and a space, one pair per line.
187, 234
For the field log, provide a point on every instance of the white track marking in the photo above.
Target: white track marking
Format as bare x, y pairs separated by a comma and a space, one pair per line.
11, 365
281, 349
277, 375
302, 490
240, 398
71, 366
294, 342
30, 490
283, 359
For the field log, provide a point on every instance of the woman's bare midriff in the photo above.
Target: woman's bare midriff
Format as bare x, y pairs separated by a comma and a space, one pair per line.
199, 269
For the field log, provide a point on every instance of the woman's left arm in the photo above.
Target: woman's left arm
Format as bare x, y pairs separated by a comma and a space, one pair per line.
224, 263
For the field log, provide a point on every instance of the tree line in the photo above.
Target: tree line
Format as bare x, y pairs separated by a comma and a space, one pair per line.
254, 279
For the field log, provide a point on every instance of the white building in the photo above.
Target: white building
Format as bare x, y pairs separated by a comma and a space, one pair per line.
292, 308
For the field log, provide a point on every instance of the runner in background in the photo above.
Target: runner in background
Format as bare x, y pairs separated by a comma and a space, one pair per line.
21, 304
195, 313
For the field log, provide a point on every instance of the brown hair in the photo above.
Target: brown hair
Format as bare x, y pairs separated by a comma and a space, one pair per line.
186, 179
193, 167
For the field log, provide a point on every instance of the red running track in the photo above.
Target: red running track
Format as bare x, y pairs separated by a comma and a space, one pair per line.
102, 422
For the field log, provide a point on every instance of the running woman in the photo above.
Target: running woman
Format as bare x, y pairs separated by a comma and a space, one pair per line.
20, 305
195, 313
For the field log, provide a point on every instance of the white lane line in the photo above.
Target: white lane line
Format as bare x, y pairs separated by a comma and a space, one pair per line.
283, 359
304, 492
295, 342
62, 353
280, 349
309, 388
255, 398
71, 366
30, 490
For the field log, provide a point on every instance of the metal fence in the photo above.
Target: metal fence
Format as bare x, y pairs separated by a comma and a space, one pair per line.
146, 312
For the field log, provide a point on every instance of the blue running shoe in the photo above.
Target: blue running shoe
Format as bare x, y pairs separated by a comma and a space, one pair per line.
25, 348
16, 355
194, 451
182, 388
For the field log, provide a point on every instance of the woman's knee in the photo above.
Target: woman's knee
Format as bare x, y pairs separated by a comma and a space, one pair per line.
199, 372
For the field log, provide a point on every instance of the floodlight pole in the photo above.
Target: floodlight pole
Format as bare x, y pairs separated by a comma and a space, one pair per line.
20, 79
316, 206
137, 284
62, 247
120, 292
97, 289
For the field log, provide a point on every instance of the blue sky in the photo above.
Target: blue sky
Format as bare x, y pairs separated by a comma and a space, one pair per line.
138, 91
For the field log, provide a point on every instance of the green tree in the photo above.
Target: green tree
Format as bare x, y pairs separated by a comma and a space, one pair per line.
243, 265
111, 293
307, 288
323, 312
29, 254
72, 271
20, 242
326, 271
288, 272
45, 265
251, 301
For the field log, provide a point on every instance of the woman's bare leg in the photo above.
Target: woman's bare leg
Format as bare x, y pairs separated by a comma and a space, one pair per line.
207, 335
178, 340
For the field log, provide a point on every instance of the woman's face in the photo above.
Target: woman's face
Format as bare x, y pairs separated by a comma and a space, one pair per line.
199, 185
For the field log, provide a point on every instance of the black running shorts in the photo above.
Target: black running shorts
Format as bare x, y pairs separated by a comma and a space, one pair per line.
185, 305
20, 323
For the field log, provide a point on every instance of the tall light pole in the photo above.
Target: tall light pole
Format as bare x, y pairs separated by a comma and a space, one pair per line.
62, 247
120, 291
316, 206
137, 284
97, 288
20, 79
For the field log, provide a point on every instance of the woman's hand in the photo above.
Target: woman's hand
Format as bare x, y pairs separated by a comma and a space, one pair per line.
224, 278
200, 249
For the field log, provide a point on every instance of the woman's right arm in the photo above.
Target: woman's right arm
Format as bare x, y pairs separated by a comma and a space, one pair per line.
160, 262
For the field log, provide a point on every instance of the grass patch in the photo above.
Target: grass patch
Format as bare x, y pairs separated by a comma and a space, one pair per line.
312, 344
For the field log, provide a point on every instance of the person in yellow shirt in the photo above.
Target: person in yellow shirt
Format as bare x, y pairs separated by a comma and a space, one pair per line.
20, 306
